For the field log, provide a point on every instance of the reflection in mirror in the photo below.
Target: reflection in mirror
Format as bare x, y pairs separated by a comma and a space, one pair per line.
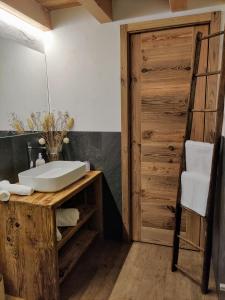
23, 82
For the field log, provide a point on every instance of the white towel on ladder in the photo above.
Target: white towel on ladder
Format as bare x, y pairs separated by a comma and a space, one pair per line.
199, 157
195, 181
195, 189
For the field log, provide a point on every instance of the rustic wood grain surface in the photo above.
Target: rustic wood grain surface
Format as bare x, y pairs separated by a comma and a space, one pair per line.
56, 199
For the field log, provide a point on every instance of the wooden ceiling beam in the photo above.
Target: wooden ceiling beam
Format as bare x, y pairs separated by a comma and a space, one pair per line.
100, 9
58, 4
177, 5
29, 11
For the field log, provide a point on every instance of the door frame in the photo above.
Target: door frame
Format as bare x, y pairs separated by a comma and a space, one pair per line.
213, 19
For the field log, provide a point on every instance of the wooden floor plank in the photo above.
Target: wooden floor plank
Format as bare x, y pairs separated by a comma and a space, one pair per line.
95, 275
115, 271
146, 275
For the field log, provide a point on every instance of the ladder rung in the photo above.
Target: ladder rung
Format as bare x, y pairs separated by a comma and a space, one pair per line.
207, 74
204, 110
212, 35
185, 272
191, 243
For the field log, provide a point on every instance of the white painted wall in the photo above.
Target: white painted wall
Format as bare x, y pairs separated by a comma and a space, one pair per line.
22, 82
83, 67
84, 59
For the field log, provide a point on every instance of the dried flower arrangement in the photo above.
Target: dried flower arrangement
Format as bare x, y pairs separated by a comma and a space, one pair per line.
53, 128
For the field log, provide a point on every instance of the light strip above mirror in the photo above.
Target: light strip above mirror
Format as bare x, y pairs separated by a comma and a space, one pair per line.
25, 27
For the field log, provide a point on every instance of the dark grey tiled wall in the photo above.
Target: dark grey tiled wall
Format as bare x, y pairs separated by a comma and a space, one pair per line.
13, 155
219, 224
102, 149
4, 133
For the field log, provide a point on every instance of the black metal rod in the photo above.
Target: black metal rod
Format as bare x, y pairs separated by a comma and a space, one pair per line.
176, 239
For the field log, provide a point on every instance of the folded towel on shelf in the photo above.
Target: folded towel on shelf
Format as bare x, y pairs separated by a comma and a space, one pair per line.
17, 189
199, 157
4, 196
194, 191
67, 217
58, 235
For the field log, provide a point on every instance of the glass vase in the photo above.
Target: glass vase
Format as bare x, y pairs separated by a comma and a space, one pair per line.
54, 153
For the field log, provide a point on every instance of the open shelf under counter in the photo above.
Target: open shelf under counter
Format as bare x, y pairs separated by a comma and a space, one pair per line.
86, 212
28, 229
69, 255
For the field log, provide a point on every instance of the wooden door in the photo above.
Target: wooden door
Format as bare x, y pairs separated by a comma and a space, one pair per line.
161, 64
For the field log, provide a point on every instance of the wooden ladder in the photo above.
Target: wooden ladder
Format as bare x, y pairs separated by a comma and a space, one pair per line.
207, 250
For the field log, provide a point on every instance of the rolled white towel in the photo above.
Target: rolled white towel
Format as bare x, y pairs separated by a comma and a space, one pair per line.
67, 217
58, 235
4, 196
195, 189
5, 182
17, 189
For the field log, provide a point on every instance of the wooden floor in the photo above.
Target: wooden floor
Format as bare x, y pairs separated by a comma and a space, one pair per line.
146, 275
109, 272
96, 273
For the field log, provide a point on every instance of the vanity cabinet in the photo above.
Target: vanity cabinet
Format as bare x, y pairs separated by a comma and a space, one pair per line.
32, 262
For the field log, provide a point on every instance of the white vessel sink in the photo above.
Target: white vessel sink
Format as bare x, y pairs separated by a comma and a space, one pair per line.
53, 176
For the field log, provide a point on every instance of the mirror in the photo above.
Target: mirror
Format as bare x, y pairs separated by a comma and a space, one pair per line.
23, 78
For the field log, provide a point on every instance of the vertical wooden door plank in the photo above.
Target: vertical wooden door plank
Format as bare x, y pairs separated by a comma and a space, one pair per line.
125, 134
135, 44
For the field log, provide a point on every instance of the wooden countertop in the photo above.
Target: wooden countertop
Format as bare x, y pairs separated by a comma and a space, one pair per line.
57, 198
